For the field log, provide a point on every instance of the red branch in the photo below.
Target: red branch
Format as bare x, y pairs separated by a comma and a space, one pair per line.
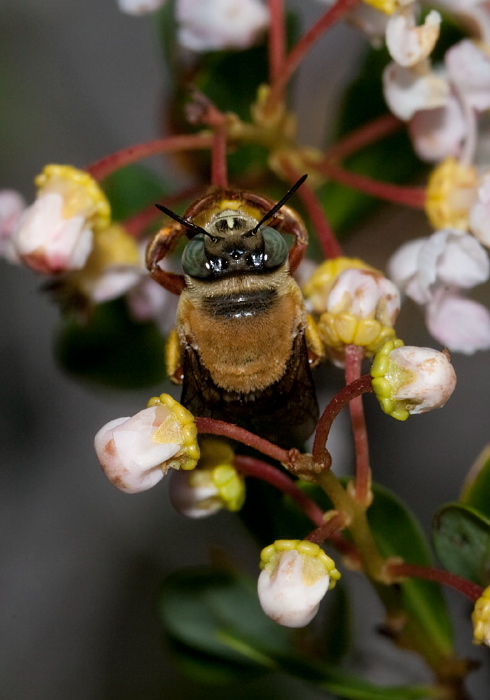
109, 164
468, 588
340, 400
219, 427
353, 360
326, 21
327, 529
249, 466
409, 196
277, 39
363, 136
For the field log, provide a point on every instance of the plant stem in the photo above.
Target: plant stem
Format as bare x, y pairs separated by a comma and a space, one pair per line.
353, 359
409, 196
328, 241
109, 164
340, 400
327, 20
468, 588
327, 529
373, 131
249, 466
277, 39
219, 427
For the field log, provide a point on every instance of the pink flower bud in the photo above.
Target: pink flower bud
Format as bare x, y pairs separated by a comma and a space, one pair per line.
48, 242
136, 452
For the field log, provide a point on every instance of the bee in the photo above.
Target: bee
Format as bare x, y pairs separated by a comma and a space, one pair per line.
240, 327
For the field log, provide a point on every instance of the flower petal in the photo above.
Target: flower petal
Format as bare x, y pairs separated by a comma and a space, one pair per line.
461, 324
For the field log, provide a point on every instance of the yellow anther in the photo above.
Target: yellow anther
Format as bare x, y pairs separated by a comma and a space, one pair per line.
451, 191
481, 619
386, 6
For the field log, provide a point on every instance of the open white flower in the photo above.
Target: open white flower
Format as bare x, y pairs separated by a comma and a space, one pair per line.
408, 90
210, 25
137, 451
408, 43
139, 7
458, 323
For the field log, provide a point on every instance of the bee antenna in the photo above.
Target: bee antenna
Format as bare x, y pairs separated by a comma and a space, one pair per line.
281, 203
185, 222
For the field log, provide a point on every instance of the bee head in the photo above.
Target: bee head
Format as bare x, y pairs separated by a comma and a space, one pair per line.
234, 242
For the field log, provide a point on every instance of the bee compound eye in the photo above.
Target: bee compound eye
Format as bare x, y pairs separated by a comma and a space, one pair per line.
194, 260
275, 247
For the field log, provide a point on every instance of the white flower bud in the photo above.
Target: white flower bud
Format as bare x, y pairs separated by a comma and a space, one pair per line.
295, 577
210, 25
136, 452
411, 380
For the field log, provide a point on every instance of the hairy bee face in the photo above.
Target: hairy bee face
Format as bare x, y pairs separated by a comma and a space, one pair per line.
234, 243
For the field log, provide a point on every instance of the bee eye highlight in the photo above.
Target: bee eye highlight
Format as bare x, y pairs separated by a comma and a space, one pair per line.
275, 247
194, 260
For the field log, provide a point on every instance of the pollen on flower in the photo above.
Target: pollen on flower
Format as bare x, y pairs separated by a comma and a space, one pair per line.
451, 192
81, 193
481, 619
178, 427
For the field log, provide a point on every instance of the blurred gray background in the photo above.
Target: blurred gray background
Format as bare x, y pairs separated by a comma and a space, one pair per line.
80, 562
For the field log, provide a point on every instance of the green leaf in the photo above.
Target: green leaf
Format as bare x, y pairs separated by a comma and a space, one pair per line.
462, 541
476, 490
131, 189
397, 533
111, 349
218, 629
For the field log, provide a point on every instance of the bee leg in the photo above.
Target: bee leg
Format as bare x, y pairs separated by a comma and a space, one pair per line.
173, 358
316, 350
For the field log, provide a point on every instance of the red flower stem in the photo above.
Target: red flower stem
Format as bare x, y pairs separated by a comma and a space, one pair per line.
409, 196
363, 136
353, 360
277, 39
219, 427
327, 20
326, 529
249, 466
219, 167
107, 165
360, 386
328, 241
137, 223
468, 588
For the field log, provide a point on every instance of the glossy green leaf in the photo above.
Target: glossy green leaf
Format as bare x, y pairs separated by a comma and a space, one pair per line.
476, 490
131, 189
462, 541
220, 634
111, 349
397, 533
